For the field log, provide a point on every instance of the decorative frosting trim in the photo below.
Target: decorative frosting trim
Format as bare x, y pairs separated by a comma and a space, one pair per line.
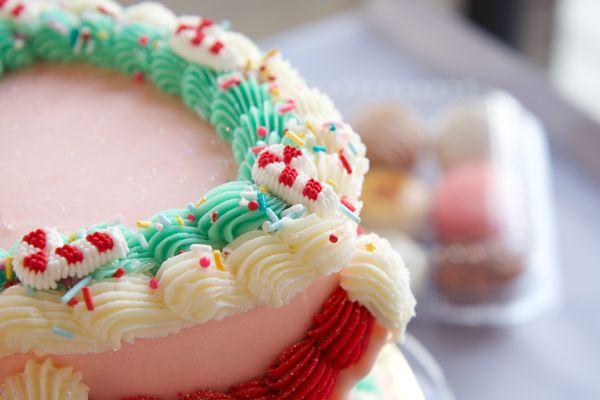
309, 369
44, 381
377, 278
258, 241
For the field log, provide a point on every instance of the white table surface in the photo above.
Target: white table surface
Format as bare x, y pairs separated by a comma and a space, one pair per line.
553, 357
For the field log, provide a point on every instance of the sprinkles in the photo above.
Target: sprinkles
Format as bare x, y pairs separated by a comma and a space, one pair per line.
180, 220
219, 260
349, 213
153, 284
345, 163
67, 297
294, 138
87, 297
63, 332
8, 269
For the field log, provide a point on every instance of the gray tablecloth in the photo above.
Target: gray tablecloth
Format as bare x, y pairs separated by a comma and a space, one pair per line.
554, 357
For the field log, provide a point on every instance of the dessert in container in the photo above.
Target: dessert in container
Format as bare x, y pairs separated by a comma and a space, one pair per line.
489, 230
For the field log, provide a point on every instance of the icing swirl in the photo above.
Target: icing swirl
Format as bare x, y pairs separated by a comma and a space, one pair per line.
44, 381
377, 278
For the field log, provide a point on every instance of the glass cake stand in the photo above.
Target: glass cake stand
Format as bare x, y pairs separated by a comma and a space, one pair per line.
426, 369
403, 372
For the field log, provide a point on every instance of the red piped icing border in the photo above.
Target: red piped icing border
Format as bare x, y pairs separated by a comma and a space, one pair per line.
307, 370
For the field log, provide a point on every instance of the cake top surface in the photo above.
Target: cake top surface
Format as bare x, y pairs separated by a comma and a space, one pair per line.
289, 217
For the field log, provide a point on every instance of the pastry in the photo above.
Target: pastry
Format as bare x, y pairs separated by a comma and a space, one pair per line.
258, 287
463, 133
394, 135
395, 199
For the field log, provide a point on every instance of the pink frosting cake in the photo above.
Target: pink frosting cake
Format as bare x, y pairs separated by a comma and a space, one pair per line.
257, 287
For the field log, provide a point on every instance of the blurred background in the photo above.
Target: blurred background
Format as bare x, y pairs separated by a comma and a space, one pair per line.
481, 118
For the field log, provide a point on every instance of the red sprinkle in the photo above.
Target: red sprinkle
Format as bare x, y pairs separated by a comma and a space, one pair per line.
143, 40
139, 77
214, 216
204, 262
345, 163
257, 149
349, 206
119, 272
73, 302
217, 47
191, 217
87, 296
205, 23
2, 3
153, 283
261, 131
333, 238
17, 10
232, 81
253, 205
197, 39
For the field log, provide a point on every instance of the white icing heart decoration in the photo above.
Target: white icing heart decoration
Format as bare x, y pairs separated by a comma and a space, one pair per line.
287, 172
42, 258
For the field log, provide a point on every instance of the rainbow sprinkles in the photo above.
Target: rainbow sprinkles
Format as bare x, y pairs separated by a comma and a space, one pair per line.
290, 217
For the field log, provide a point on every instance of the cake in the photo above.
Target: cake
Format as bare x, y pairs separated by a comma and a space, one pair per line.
260, 286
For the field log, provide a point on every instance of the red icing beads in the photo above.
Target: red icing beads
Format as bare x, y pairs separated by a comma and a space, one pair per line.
288, 176
36, 262
312, 189
101, 241
36, 238
72, 254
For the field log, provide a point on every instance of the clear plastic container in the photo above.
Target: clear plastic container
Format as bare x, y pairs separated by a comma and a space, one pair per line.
472, 186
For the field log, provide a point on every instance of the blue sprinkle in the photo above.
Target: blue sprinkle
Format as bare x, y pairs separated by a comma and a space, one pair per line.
225, 24
143, 241
63, 332
349, 213
332, 128
271, 215
191, 206
31, 291
75, 289
164, 220
262, 202
352, 148
319, 148
276, 226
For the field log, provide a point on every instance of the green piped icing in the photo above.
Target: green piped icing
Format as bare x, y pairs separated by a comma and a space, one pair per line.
56, 35
244, 136
1, 68
230, 104
199, 86
233, 219
129, 55
98, 49
15, 53
167, 70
